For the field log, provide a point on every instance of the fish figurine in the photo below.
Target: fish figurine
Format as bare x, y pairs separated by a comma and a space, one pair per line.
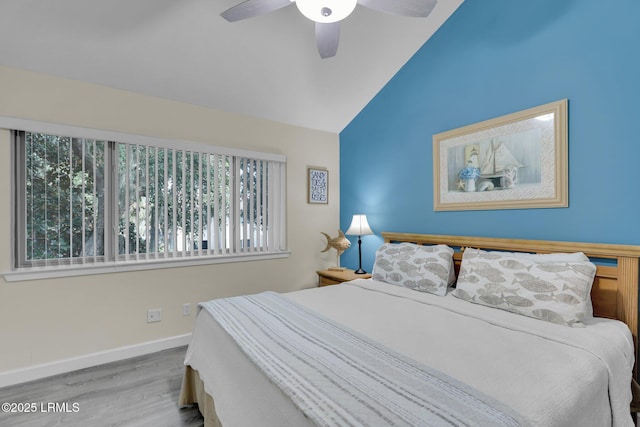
339, 243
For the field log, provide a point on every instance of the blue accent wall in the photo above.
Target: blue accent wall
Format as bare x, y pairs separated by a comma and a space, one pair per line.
491, 58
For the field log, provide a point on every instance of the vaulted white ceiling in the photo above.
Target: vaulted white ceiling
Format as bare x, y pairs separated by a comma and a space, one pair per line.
182, 50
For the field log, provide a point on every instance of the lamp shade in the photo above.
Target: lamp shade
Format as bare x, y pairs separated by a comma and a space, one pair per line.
326, 11
359, 226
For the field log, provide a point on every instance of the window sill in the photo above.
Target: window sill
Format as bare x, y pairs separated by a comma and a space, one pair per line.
37, 273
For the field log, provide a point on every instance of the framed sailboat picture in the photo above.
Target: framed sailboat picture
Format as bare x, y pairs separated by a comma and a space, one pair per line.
515, 161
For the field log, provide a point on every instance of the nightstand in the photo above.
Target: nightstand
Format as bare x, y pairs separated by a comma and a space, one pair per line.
331, 277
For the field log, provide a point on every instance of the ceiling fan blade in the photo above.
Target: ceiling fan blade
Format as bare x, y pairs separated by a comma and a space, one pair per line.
417, 8
327, 38
251, 8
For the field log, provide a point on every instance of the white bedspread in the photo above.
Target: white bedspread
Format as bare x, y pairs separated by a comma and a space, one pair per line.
551, 374
339, 377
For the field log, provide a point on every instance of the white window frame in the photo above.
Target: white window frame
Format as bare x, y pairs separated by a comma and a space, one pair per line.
237, 253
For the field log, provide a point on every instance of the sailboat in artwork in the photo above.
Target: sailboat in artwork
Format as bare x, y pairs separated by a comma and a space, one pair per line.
498, 160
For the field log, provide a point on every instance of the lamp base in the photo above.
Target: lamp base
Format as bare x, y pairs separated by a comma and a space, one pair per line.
360, 271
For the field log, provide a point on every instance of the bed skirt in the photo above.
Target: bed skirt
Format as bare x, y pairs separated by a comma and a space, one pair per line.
192, 392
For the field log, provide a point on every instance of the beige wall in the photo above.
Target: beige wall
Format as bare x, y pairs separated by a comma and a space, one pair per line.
52, 319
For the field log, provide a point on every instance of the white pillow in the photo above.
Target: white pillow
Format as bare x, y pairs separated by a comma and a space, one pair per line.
418, 267
557, 256
553, 288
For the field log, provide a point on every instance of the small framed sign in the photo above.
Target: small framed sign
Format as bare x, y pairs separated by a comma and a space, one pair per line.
317, 185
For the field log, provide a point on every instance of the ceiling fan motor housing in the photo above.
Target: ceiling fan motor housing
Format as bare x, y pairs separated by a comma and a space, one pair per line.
326, 11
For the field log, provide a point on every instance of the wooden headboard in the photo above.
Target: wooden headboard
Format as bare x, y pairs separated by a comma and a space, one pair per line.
615, 288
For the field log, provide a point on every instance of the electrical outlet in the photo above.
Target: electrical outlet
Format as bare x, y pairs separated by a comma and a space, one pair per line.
186, 309
154, 315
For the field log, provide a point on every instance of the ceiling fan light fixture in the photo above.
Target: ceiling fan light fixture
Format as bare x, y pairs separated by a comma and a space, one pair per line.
326, 11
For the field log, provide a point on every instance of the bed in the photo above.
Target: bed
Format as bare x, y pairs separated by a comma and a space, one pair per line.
421, 357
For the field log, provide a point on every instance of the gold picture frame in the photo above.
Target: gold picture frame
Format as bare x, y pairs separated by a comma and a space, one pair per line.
516, 161
317, 185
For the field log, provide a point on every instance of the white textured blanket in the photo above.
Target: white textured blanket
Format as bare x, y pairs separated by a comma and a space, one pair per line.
557, 365
338, 377
553, 375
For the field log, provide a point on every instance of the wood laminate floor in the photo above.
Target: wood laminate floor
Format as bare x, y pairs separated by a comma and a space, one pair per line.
142, 391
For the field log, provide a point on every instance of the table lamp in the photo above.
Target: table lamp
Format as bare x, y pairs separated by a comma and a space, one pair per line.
359, 227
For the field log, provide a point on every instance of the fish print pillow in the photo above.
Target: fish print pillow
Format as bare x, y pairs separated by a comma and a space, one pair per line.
558, 256
418, 267
549, 290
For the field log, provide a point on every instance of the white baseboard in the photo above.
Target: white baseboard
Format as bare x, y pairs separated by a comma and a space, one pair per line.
44, 370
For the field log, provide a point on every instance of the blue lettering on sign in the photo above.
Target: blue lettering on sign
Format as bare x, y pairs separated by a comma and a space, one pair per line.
318, 186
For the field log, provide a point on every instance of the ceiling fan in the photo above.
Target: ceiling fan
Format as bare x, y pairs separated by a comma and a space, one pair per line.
327, 14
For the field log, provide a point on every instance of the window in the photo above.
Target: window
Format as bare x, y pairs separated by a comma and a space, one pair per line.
94, 202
